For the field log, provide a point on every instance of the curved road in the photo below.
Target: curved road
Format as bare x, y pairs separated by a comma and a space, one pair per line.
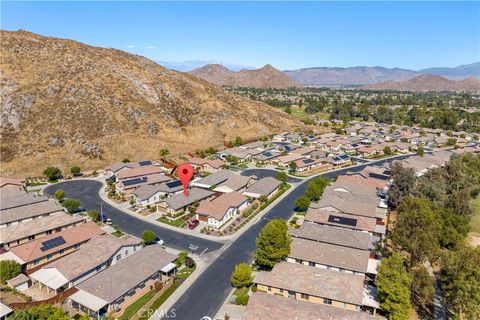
264, 173
87, 191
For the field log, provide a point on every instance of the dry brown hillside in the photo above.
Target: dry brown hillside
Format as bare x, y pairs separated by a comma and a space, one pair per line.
428, 82
266, 77
65, 103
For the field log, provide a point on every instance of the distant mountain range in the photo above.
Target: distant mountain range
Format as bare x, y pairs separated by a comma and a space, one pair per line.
428, 82
326, 76
265, 77
187, 66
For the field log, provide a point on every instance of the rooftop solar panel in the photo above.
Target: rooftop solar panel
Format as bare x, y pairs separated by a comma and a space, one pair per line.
341, 220
52, 243
287, 148
343, 156
134, 181
145, 163
174, 184
267, 154
307, 161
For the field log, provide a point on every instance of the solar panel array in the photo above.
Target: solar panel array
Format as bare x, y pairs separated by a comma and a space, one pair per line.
343, 156
52, 243
341, 220
287, 148
307, 161
267, 154
174, 184
134, 181
145, 163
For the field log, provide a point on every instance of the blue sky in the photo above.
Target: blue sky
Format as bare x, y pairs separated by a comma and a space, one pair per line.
288, 35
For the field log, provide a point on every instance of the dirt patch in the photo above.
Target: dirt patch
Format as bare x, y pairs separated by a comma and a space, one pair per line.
473, 239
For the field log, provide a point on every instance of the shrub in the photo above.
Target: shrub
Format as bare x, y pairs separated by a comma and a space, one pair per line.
148, 236
158, 285
189, 262
93, 214
52, 173
255, 206
75, 170
71, 204
242, 300
59, 195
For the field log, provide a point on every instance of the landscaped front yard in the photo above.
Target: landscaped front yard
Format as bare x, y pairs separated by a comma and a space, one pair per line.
180, 222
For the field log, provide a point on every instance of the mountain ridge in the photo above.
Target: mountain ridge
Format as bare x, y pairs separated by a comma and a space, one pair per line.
265, 77
428, 82
65, 103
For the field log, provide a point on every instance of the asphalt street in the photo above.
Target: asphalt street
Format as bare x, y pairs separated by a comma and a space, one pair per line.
87, 192
210, 290
264, 173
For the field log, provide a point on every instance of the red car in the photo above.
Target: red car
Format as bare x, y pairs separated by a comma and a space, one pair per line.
193, 224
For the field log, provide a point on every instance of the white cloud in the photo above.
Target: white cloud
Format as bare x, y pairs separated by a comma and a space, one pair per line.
149, 47
131, 46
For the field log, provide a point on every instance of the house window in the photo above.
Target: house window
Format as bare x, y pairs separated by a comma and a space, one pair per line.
298, 261
327, 301
119, 256
76, 246
48, 232
62, 251
341, 270
36, 261
281, 290
49, 256
304, 296
311, 264
269, 288
31, 237
126, 252
292, 294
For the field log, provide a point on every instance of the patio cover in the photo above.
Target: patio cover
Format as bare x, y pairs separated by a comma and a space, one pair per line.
50, 277
169, 267
88, 300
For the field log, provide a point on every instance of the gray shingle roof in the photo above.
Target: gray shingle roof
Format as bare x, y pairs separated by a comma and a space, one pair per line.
340, 286
20, 200
333, 235
29, 211
146, 191
179, 201
264, 186
214, 179
127, 273
330, 255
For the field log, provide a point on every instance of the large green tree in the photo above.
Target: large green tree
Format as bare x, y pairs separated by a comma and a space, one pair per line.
52, 173
403, 182
460, 279
422, 288
417, 229
148, 236
273, 244
316, 187
242, 275
393, 283
302, 202
71, 204
9, 269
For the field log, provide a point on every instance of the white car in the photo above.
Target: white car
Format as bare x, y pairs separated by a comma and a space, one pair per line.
108, 222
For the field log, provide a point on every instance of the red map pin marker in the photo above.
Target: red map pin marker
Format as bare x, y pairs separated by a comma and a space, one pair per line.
185, 173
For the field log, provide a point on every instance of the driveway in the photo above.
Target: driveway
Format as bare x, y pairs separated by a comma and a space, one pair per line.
87, 191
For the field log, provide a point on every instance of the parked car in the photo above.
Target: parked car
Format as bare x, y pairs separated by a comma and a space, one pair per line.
108, 222
193, 224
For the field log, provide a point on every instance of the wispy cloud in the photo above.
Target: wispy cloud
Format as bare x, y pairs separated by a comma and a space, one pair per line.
130, 46
149, 47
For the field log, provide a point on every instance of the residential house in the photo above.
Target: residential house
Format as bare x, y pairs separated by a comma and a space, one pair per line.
130, 179
235, 182
264, 187
115, 287
96, 255
284, 161
353, 204
11, 187
347, 238
118, 167
267, 156
220, 210
342, 220
180, 202
27, 207
305, 151
316, 285
44, 250
206, 165
21, 233
332, 257
273, 307
152, 194
241, 154
308, 164
212, 180
19, 283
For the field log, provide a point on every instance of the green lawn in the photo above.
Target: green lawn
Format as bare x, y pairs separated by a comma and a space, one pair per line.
137, 305
185, 272
180, 222
475, 221
118, 233
157, 304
